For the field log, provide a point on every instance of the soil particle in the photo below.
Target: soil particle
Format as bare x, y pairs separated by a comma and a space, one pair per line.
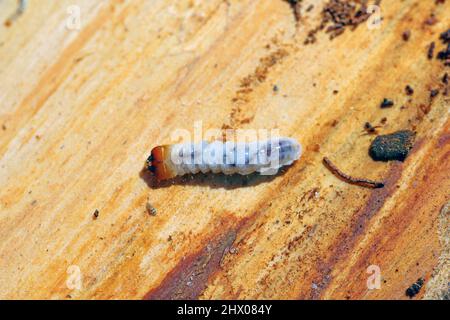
415, 288
409, 90
434, 93
394, 146
430, 53
406, 35
386, 103
445, 36
444, 55
370, 129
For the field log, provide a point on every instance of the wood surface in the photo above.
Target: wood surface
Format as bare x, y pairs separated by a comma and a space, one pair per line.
81, 109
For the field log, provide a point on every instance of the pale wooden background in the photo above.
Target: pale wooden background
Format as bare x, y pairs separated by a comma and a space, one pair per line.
81, 109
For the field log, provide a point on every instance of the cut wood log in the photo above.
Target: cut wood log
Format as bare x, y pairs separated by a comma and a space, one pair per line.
88, 88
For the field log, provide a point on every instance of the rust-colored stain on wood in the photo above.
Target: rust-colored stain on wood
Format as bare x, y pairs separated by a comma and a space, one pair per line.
83, 105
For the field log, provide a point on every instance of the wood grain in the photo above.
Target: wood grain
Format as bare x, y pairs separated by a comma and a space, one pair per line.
81, 108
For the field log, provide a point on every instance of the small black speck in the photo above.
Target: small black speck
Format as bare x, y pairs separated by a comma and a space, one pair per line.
409, 90
434, 93
406, 35
386, 103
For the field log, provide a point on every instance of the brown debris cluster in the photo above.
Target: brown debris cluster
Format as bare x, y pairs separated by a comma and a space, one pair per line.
339, 15
251, 82
262, 70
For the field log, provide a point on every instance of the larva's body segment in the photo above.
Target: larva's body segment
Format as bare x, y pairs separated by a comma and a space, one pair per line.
265, 157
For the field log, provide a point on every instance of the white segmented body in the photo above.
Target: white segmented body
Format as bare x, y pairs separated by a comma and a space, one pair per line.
234, 158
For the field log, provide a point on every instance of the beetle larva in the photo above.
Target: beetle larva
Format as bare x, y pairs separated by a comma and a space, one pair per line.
265, 157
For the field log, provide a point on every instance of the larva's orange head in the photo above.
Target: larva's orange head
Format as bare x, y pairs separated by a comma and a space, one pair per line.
158, 163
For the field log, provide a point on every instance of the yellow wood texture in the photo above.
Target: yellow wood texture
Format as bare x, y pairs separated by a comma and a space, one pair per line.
82, 106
